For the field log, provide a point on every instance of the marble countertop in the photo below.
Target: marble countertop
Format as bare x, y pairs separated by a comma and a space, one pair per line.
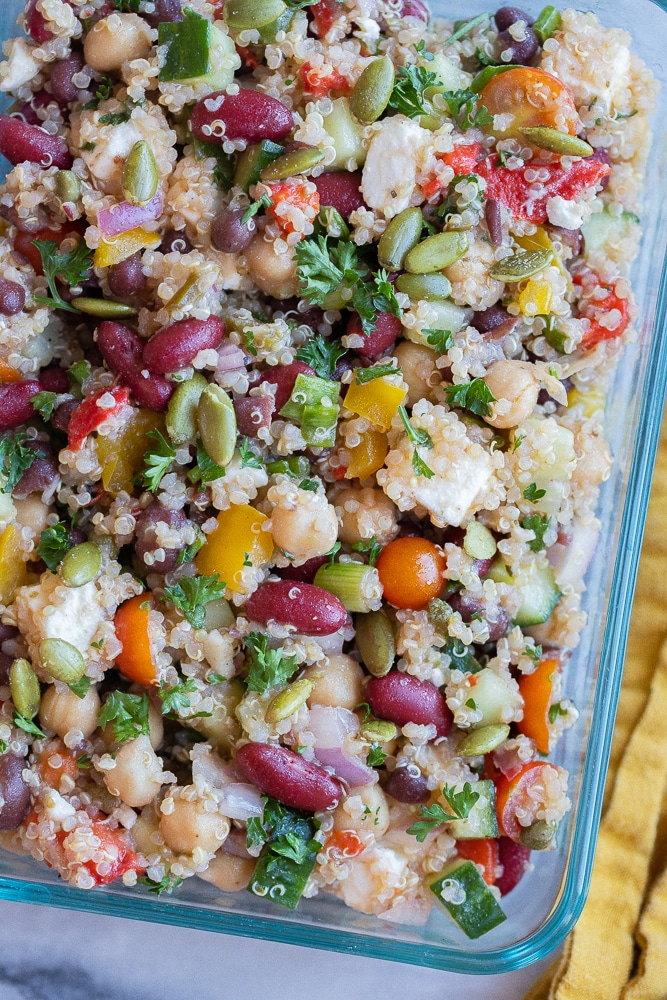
49, 954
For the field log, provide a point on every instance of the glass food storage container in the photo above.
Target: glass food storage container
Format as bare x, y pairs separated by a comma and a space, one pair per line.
546, 904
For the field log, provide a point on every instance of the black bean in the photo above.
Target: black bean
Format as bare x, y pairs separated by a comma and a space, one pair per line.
146, 541
505, 17
522, 52
14, 793
127, 278
41, 474
62, 87
165, 10
228, 233
175, 240
7, 632
12, 297
467, 605
488, 319
5, 664
63, 414
573, 238
407, 784
494, 224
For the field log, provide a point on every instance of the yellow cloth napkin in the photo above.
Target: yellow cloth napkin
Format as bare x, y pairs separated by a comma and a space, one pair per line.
618, 949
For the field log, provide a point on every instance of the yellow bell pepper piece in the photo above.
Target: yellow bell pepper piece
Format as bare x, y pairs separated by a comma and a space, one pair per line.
368, 456
377, 401
122, 457
180, 294
590, 402
238, 538
13, 572
536, 298
121, 247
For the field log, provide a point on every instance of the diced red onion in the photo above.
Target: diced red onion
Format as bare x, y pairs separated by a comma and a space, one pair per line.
124, 216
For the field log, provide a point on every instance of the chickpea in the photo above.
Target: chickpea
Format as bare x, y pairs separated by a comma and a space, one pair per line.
417, 362
273, 273
513, 383
229, 873
304, 524
373, 815
190, 826
144, 830
137, 776
337, 681
61, 711
594, 462
117, 39
155, 725
364, 513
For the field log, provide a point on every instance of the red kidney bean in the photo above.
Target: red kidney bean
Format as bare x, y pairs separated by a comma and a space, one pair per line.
35, 24
15, 403
62, 87
487, 320
175, 346
14, 793
312, 610
467, 606
341, 190
63, 414
286, 776
127, 278
494, 223
41, 99
20, 142
152, 391
505, 17
12, 297
248, 115
573, 238
253, 413
284, 376
408, 784
165, 10
304, 573
415, 8
601, 156
514, 858
54, 380
122, 350
7, 632
229, 234
378, 342
41, 474
145, 537
524, 51
175, 240
402, 698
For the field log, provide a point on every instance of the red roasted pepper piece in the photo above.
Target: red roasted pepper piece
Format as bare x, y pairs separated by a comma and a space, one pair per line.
88, 416
511, 188
463, 158
314, 83
113, 842
595, 309
324, 13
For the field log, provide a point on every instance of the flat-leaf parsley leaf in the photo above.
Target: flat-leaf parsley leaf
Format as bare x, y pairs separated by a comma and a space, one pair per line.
191, 593
267, 667
128, 715
474, 396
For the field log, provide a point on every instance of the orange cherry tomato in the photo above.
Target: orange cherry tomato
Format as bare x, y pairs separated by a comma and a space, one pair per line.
512, 795
536, 690
411, 572
533, 97
131, 624
483, 852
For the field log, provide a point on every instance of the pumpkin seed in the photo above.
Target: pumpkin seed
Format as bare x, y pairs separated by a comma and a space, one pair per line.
139, 178
81, 564
244, 15
182, 409
103, 308
66, 186
400, 236
62, 660
539, 835
375, 642
479, 542
217, 424
268, 32
24, 685
432, 287
298, 161
521, 265
436, 252
373, 90
557, 142
288, 701
379, 731
482, 740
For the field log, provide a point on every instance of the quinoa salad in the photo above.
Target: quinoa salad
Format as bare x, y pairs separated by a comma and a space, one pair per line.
308, 314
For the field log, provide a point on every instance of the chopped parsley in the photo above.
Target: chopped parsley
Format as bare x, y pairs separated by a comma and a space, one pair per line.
157, 460
310, 485
463, 28
191, 593
44, 402
432, 816
166, 884
364, 375
53, 544
119, 117
27, 725
289, 854
375, 756
407, 97
322, 355
205, 471
79, 371
15, 459
474, 396
555, 711
534, 652
419, 438
466, 110
533, 494
80, 687
187, 554
420, 48
85, 761
471, 703
371, 546
335, 548
366, 708
256, 206
538, 524
71, 267
501, 160
441, 340
103, 91
3, 746
249, 460
267, 667
128, 715
518, 441
127, 6
176, 697
87, 147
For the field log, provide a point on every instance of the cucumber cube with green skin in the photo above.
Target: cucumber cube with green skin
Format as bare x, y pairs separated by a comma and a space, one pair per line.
310, 390
197, 52
347, 135
603, 229
253, 160
491, 695
464, 894
538, 588
481, 821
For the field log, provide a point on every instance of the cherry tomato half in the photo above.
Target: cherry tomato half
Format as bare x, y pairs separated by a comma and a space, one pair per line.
533, 97
411, 572
512, 795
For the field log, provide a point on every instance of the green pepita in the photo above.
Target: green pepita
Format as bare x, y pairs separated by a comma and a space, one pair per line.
373, 90
375, 642
483, 740
484, 76
66, 186
431, 287
557, 142
182, 409
288, 701
103, 308
217, 424
334, 223
479, 542
244, 15
400, 236
379, 731
268, 32
81, 564
539, 835
139, 178
436, 252
521, 265
62, 660
298, 161
24, 685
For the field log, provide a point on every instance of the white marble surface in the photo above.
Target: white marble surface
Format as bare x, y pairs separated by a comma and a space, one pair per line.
48, 954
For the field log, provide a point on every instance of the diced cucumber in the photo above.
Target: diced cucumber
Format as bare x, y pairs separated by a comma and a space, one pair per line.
346, 133
538, 588
490, 695
449, 316
603, 229
199, 51
464, 894
481, 821
451, 75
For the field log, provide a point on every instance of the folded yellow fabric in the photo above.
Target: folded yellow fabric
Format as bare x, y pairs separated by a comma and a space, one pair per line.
627, 902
